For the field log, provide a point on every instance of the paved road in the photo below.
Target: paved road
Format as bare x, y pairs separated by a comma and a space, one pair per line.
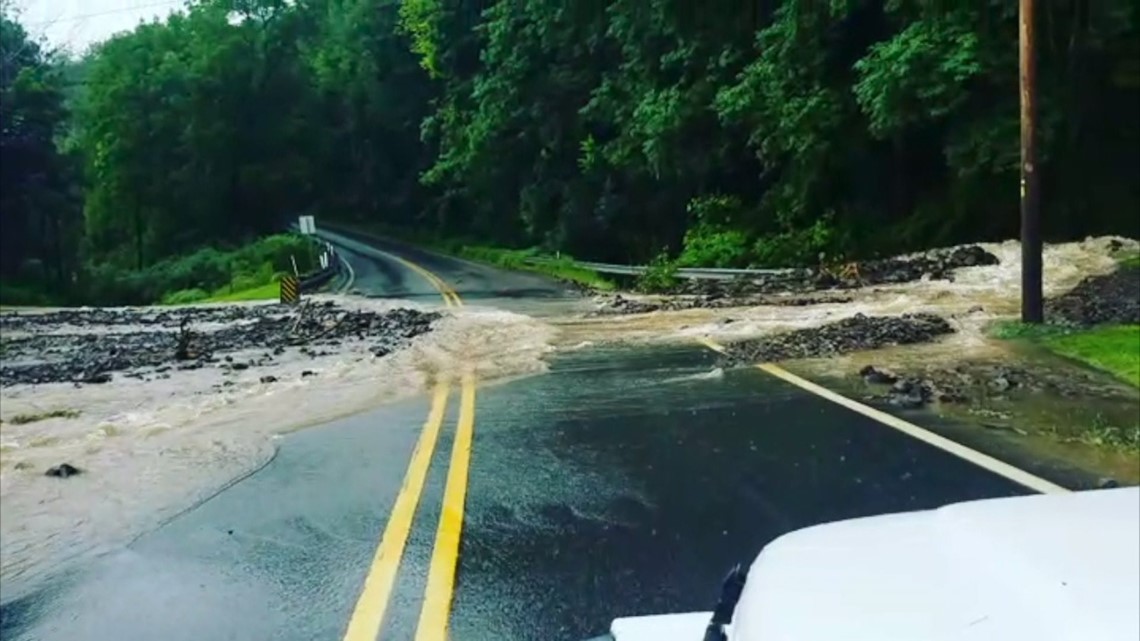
391, 270
623, 482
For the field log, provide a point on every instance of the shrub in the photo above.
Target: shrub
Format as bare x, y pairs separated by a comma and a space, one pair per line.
181, 279
660, 275
712, 241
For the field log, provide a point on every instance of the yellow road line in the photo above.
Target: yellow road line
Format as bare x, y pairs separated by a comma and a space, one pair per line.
985, 461
368, 615
436, 611
450, 297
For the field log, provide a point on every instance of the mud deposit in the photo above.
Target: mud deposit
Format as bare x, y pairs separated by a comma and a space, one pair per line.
1105, 299
1109, 298
1037, 405
800, 287
856, 333
159, 408
980, 381
88, 346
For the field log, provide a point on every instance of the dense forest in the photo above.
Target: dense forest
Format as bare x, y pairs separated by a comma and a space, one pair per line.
720, 132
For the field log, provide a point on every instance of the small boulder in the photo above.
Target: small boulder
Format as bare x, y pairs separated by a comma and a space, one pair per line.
96, 378
872, 374
1001, 383
1107, 483
906, 401
63, 470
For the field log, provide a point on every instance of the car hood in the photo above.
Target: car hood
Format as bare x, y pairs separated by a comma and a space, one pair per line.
1060, 567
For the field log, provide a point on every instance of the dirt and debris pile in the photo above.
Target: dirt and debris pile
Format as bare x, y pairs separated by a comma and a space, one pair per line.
975, 382
936, 264
87, 345
853, 334
803, 286
618, 304
1112, 298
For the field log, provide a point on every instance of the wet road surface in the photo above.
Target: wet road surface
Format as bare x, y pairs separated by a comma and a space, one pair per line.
623, 482
378, 274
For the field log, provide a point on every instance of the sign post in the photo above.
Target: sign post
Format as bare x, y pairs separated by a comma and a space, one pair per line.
307, 224
290, 290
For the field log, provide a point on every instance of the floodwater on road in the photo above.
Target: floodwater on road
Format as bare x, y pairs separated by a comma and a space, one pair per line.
150, 449
974, 299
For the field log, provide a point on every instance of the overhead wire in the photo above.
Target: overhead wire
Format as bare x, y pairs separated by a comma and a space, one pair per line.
96, 14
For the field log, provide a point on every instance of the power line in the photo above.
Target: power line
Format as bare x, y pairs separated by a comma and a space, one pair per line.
87, 16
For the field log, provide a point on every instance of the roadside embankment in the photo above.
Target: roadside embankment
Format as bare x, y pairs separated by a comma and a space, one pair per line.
209, 274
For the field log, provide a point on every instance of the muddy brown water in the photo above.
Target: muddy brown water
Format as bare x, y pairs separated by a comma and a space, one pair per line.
150, 449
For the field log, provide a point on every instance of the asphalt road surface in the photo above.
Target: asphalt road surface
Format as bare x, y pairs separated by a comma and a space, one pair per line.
387, 269
623, 482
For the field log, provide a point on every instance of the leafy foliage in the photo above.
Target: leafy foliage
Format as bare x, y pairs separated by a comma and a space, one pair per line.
659, 276
39, 199
763, 133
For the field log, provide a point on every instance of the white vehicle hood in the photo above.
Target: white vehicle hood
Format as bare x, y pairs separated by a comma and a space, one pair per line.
1057, 567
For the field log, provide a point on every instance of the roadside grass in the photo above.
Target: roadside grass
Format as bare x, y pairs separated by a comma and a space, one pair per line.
561, 267
1114, 349
1110, 348
249, 273
1013, 330
262, 292
1102, 433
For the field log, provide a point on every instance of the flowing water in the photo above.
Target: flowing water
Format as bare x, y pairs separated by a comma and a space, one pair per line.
150, 449
976, 297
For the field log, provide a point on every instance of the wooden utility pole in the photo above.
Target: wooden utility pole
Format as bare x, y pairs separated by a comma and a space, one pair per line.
1032, 307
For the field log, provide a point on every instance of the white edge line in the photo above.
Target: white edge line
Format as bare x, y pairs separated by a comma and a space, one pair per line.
985, 461
393, 258
351, 273
426, 250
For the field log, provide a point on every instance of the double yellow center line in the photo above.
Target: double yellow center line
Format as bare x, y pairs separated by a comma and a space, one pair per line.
368, 615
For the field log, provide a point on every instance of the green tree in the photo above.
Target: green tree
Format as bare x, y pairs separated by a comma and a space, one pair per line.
762, 133
39, 196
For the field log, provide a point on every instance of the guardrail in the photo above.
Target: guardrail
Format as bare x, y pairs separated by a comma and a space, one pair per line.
696, 273
692, 273
315, 280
